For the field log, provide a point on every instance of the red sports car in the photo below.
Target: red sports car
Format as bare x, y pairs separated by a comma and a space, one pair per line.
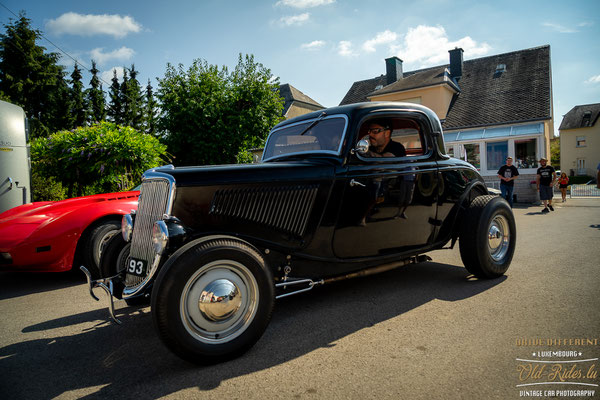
57, 236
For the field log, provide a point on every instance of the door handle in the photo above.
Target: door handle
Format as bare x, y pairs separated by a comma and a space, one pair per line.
356, 183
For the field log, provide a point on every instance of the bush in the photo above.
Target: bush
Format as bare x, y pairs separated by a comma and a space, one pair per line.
46, 188
579, 179
101, 158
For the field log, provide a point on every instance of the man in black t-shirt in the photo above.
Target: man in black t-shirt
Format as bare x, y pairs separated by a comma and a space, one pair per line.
507, 174
546, 176
380, 139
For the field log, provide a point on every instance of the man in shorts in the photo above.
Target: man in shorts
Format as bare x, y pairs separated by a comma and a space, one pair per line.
546, 176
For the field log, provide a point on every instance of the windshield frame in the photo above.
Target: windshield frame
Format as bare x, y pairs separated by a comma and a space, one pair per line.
307, 122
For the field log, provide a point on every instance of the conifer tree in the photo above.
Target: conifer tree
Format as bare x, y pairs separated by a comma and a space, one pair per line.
150, 111
95, 97
115, 105
77, 97
31, 78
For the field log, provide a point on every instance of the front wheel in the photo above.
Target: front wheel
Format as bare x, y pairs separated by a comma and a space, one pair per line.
488, 237
214, 301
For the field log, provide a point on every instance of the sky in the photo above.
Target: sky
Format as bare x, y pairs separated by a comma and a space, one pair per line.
320, 46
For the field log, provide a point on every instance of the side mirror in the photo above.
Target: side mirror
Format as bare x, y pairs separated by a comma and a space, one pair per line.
362, 147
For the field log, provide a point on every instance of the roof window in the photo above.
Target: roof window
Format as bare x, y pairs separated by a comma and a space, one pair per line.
378, 87
586, 120
500, 68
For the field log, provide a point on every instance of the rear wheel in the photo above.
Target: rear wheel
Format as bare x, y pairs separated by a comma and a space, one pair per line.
214, 302
488, 237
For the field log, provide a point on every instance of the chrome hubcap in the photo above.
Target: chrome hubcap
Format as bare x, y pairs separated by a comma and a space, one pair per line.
498, 238
219, 301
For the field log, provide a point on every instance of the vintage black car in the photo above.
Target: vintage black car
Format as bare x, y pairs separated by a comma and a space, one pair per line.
212, 247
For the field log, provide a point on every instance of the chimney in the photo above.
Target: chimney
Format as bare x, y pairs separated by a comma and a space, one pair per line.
393, 69
456, 62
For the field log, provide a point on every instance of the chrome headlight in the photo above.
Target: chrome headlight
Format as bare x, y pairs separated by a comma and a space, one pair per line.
127, 227
160, 236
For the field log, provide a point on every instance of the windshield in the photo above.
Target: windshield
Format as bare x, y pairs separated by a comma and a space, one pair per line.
325, 136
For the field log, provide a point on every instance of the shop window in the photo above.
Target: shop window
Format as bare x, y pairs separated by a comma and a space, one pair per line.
496, 153
525, 152
450, 151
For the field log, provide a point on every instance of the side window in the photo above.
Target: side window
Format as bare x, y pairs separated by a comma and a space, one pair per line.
393, 137
410, 138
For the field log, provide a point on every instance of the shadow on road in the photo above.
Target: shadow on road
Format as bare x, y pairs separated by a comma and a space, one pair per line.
129, 360
17, 284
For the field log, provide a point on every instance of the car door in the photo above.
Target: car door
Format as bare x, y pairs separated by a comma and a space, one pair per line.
389, 205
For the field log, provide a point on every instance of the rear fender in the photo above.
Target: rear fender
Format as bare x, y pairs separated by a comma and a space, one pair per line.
449, 229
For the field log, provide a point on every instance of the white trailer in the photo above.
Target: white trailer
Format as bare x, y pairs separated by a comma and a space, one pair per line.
15, 162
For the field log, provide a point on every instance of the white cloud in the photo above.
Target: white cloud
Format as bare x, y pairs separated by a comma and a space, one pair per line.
298, 20
89, 25
303, 3
384, 37
122, 54
594, 79
108, 75
585, 24
559, 28
314, 45
345, 49
429, 45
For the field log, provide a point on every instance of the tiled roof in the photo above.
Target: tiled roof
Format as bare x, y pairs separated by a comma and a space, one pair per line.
521, 93
424, 78
581, 117
291, 94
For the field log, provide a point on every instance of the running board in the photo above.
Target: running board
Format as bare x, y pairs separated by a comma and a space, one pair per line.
307, 284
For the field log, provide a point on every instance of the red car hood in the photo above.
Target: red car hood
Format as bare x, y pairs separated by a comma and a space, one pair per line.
18, 223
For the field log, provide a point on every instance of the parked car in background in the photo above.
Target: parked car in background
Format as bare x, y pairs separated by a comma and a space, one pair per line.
57, 236
212, 247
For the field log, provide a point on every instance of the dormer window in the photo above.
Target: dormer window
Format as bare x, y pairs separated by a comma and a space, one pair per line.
586, 120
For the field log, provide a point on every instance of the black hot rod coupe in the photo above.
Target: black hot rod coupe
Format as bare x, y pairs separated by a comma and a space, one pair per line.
212, 247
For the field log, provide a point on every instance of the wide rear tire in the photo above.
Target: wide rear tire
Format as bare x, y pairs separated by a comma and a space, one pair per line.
214, 301
488, 237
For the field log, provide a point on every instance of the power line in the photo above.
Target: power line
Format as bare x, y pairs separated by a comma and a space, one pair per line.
85, 67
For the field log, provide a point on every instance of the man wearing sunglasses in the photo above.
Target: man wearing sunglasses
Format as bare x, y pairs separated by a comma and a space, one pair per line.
380, 139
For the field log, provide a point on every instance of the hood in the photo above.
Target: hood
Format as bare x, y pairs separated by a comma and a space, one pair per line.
269, 172
20, 222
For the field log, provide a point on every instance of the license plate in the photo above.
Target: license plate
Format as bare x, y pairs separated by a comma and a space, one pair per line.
137, 267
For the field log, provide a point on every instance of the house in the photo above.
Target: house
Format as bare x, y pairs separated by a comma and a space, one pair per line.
580, 140
295, 104
490, 107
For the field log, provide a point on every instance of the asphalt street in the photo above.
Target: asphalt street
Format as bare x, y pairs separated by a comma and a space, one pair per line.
426, 331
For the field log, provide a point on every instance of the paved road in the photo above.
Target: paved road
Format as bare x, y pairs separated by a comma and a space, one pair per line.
426, 331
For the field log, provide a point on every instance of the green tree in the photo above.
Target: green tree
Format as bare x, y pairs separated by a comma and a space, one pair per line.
101, 158
115, 105
212, 117
150, 111
77, 97
133, 99
555, 152
31, 78
95, 97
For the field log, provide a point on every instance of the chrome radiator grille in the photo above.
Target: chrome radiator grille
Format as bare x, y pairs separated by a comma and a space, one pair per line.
286, 208
152, 205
